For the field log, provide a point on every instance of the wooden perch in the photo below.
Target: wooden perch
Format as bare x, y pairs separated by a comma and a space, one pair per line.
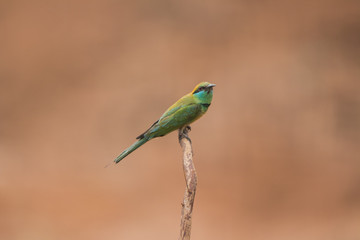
191, 181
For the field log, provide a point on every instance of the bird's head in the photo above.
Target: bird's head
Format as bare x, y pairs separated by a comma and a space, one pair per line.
203, 91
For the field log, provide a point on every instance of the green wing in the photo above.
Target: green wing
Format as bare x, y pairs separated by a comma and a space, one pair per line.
182, 102
183, 112
183, 115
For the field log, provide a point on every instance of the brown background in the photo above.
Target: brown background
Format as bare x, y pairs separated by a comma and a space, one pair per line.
277, 154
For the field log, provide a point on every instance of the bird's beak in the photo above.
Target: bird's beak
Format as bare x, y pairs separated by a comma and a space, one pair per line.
211, 85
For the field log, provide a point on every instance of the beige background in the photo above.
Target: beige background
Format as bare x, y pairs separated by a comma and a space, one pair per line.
277, 154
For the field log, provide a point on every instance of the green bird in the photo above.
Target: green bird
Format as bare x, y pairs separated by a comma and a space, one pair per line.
185, 111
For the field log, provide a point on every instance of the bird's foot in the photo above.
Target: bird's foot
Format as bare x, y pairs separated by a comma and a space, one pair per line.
183, 133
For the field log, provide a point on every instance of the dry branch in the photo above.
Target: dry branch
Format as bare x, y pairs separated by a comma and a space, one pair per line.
191, 181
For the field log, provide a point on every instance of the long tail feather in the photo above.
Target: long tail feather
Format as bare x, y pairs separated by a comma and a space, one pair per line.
131, 149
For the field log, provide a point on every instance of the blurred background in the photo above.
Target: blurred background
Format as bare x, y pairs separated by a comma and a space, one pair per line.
277, 154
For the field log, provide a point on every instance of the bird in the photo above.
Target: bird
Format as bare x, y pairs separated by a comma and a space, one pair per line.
186, 110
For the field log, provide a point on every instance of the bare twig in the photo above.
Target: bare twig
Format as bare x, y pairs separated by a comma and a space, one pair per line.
191, 181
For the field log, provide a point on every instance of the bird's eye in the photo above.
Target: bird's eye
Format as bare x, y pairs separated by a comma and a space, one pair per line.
199, 89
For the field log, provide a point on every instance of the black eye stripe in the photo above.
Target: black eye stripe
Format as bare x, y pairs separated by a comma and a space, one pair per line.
199, 89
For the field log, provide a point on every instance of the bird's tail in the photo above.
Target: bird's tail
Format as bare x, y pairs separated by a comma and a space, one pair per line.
130, 149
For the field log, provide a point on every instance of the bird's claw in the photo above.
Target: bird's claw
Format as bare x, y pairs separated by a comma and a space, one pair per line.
183, 133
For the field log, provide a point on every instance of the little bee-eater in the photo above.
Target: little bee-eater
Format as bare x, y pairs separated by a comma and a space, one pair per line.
185, 111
